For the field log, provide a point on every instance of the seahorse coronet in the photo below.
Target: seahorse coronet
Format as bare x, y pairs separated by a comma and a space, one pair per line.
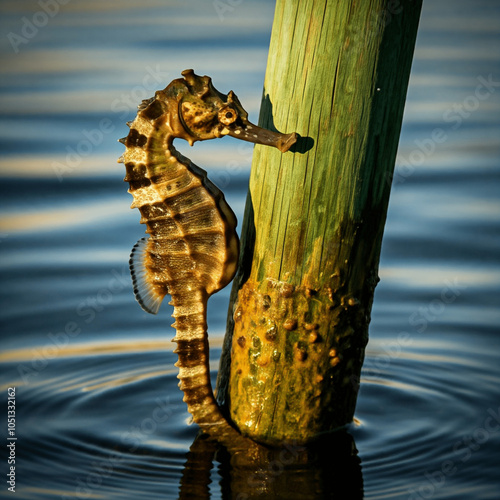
192, 247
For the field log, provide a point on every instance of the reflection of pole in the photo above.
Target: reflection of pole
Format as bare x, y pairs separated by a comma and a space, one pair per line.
293, 471
337, 74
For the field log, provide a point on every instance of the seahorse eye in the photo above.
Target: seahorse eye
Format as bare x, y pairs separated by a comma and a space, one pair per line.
227, 115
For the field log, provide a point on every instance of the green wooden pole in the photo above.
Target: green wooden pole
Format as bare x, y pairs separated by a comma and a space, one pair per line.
337, 74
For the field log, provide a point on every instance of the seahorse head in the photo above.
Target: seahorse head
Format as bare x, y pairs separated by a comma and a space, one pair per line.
196, 111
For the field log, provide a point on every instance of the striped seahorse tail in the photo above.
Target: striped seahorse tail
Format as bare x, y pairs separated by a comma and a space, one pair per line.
193, 351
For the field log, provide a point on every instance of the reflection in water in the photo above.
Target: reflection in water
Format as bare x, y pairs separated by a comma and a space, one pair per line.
328, 469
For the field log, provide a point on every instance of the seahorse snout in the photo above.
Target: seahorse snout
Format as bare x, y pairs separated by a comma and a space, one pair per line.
258, 135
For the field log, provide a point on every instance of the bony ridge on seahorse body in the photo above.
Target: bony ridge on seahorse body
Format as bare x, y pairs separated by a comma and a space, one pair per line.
192, 248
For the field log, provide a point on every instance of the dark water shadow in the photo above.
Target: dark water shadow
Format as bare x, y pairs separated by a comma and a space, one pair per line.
330, 468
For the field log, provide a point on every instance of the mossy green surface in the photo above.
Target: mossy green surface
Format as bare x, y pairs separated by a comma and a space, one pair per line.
337, 74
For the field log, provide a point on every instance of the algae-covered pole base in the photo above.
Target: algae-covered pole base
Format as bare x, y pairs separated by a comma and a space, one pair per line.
337, 74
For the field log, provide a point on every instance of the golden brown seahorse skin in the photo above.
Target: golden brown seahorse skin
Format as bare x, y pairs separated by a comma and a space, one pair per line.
192, 249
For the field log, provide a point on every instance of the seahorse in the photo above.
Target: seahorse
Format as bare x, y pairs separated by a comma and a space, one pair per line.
192, 248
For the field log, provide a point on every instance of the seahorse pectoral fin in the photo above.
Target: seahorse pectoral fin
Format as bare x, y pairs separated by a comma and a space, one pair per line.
258, 135
149, 299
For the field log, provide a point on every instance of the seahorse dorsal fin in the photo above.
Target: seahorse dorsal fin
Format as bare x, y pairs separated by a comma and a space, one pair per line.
145, 294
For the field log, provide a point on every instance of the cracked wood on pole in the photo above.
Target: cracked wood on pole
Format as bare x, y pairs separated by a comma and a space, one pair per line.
337, 74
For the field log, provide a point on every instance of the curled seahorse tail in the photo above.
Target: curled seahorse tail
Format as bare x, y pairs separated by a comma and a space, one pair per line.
193, 351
